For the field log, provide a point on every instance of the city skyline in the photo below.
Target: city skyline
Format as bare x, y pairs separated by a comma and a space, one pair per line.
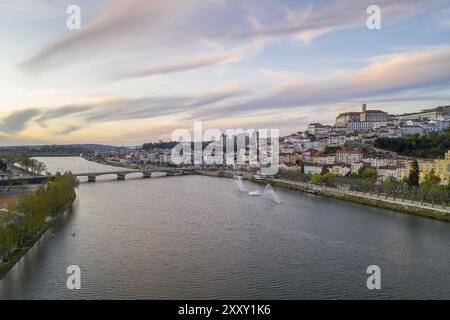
137, 70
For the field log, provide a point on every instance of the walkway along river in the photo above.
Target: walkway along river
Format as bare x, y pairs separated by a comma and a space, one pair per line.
423, 209
197, 237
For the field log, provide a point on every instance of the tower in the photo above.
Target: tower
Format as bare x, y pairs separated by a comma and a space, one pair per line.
363, 108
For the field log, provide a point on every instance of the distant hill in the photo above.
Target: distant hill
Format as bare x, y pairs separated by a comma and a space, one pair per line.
159, 145
54, 150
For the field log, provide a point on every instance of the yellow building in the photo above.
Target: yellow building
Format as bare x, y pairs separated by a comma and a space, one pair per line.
441, 168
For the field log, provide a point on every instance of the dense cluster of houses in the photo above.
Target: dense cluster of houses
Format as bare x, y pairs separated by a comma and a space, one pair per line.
135, 157
367, 125
362, 129
347, 161
348, 139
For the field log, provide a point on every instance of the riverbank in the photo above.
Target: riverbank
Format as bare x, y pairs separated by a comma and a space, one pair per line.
13, 193
360, 198
30, 215
19, 252
222, 174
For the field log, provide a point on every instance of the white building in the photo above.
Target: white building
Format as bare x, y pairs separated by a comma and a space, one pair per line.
309, 169
341, 169
408, 130
348, 156
398, 173
324, 159
356, 166
380, 162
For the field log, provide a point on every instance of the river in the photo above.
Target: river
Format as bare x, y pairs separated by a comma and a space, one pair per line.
196, 237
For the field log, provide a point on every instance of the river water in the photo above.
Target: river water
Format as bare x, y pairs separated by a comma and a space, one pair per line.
196, 237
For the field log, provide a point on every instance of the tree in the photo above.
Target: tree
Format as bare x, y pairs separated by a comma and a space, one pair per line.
27, 214
413, 178
427, 145
316, 178
3, 166
368, 173
431, 179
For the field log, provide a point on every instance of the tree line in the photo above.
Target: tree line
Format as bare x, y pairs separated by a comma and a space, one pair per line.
429, 190
30, 212
431, 145
30, 165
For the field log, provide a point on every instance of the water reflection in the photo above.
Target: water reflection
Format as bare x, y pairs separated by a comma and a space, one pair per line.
198, 237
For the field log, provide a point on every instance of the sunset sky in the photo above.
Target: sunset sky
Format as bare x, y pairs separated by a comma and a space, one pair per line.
138, 69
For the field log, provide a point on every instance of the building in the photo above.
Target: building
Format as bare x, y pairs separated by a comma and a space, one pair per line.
380, 162
349, 156
288, 158
324, 159
314, 127
361, 121
287, 148
360, 126
372, 115
396, 172
341, 169
289, 166
356, 166
344, 118
428, 114
409, 130
308, 155
441, 168
311, 169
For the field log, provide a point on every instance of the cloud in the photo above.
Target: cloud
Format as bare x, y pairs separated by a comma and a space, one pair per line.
386, 75
119, 109
180, 65
158, 28
150, 107
394, 77
29, 6
126, 20
61, 112
17, 121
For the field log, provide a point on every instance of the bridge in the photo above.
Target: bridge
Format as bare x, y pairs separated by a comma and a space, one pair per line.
146, 173
120, 173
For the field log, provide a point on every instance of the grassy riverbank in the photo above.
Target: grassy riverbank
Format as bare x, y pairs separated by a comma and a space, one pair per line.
16, 254
29, 217
379, 203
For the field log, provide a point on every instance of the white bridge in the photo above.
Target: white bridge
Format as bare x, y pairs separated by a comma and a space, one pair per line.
121, 174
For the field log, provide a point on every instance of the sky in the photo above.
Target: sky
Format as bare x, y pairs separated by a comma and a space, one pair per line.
137, 70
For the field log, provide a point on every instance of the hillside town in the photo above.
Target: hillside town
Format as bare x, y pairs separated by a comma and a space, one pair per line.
348, 145
343, 148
